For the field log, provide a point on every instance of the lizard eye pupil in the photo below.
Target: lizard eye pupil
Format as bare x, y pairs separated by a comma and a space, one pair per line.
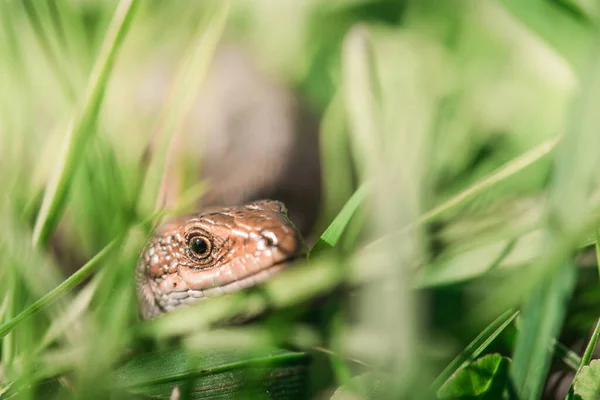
199, 246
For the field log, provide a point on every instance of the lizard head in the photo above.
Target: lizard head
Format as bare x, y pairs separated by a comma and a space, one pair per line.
217, 251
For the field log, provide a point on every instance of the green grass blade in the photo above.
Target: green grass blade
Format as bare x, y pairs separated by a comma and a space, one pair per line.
589, 349
476, 347
499, 175
458, 268
81, 127
57, 23
339, 365
332, 234
543, 314
566, 355
61, 289
502, 173
6, 314
15, 52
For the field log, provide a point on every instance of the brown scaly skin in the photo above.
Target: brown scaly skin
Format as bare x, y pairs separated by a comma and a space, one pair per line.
218, 251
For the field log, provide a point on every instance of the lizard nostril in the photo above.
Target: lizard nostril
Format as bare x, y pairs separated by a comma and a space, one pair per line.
267, 239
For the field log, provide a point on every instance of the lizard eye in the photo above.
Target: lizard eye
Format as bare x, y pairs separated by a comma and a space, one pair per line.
199, 246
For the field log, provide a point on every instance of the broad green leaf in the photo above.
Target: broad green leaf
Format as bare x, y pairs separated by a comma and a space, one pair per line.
585, 360
486, 378
476, 347
586, 385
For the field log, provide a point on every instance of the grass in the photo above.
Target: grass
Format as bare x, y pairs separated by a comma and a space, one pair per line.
79, 131
448, 139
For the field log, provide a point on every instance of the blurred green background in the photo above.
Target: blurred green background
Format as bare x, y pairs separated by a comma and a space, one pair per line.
457, 209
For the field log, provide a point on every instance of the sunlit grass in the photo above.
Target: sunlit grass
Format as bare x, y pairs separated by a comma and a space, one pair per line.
459, 182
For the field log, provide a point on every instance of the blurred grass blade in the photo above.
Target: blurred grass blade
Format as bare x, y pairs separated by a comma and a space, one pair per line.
61, 289
332, 234
341, 369
7, 311
191, 75
361, 103
464, 266
543, 314
502, 173
73, 312
188, 200
389, 153
566, 355
550, 22
215, 374
370, 385
82, 127
569, 211
476, 347
589, 10
43, 38
336, 164
57, 23
15, 52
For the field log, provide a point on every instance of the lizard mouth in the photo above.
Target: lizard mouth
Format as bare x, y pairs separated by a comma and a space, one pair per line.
173, 299
251, 280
